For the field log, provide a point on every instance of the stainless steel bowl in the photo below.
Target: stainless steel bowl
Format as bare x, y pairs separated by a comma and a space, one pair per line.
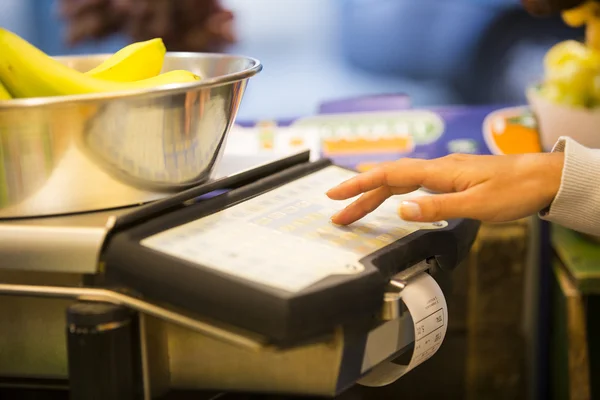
68, 154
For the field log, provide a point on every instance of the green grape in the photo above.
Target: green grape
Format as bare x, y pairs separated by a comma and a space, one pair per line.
570, 57
572, 74
575, 76
595, 90
565, 52
571, 83
551, 92
559, 93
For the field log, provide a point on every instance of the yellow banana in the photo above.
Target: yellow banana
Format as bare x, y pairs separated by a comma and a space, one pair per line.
579, 16
592, 34
586, 14
26, 71
137, 61
4, 95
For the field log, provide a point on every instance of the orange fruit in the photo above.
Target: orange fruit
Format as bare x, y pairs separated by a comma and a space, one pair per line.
511, 131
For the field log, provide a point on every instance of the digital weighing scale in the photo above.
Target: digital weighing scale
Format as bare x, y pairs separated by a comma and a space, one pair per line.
239, 285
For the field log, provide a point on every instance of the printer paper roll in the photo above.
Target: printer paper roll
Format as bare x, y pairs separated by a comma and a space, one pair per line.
427, 306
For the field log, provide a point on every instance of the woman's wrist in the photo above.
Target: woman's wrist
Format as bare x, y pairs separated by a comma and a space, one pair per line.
575, 205
551, 172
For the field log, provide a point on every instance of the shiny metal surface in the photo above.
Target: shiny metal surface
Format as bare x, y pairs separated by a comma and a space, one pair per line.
71, 154
191, 360
69, 244
181, 356
230, 336
392, 306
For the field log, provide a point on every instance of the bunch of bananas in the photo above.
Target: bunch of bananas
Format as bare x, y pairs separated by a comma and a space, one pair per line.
587, 14
26, 71
572, 68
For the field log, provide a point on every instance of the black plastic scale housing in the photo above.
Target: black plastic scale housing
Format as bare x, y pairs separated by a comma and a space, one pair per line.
284, 317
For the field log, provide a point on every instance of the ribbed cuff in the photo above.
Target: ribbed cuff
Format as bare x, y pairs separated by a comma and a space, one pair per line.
577, 204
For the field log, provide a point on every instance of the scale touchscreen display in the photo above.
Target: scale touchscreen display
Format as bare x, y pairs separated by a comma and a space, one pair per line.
284, 238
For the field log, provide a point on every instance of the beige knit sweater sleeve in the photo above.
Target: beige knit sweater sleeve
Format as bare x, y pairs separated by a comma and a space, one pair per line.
577, 204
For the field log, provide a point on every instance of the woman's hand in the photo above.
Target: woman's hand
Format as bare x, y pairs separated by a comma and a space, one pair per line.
487, 188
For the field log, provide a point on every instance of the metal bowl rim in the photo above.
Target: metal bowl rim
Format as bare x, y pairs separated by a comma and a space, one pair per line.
172, 89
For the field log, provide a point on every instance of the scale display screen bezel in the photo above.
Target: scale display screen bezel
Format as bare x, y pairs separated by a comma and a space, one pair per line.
282, 316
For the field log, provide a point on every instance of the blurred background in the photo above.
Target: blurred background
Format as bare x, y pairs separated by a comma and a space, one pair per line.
437, 51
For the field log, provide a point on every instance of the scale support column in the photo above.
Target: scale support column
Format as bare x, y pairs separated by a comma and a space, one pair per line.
103, 349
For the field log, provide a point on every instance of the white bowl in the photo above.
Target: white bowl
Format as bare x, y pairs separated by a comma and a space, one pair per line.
555, 120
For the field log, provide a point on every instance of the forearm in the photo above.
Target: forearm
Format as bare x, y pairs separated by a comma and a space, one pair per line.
577, 204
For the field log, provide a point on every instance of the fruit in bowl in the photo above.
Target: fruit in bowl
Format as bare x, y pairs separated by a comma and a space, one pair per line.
567, 100
572, 75
27, 72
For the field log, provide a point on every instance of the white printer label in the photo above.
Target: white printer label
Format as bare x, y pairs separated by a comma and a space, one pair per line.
429, 314
284, 238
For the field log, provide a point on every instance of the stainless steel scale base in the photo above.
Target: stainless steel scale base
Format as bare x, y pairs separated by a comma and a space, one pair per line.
42, 266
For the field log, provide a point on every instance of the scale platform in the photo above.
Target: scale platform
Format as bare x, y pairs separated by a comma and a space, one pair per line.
239, 285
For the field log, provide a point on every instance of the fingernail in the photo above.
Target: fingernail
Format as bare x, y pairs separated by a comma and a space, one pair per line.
334, 216
410, 210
